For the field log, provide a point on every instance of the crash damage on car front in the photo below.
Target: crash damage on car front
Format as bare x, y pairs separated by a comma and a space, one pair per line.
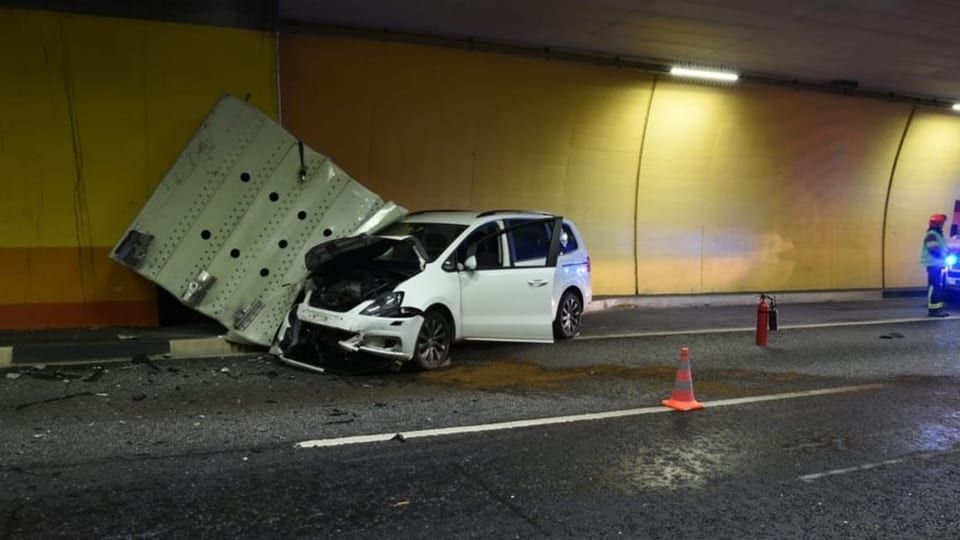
349, 303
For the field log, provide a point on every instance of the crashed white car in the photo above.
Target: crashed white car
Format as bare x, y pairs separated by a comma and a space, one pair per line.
411, 289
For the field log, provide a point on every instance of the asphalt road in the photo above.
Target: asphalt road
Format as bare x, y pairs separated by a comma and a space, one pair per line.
208, 448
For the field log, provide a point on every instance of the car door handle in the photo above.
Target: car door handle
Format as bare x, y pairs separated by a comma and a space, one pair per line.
537, 282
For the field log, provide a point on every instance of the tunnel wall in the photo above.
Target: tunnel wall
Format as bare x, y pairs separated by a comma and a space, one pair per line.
93, 111
678, 187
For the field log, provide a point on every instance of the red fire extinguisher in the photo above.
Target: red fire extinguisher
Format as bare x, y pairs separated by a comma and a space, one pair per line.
763, 320
766, 318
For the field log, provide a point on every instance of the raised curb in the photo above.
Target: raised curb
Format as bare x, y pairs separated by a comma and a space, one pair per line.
206, 347
79, 353
737, 299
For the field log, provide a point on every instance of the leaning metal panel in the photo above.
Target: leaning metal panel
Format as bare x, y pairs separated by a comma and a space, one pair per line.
227, 228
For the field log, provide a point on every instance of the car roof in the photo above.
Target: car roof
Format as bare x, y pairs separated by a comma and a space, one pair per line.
468, 217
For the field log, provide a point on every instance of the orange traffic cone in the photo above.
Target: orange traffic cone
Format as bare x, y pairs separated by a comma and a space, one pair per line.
682, 398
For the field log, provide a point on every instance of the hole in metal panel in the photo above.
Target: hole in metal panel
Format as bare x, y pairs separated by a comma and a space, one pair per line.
274, 196
205, 234
264, 272
327, 232
234, 253
245, 177
283, 244
301, 215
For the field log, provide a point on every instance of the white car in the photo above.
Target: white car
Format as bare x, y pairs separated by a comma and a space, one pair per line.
411, 289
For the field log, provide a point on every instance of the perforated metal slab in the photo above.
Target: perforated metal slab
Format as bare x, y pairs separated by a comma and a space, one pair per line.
227, 228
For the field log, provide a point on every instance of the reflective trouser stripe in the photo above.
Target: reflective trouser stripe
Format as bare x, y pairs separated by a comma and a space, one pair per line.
930, 303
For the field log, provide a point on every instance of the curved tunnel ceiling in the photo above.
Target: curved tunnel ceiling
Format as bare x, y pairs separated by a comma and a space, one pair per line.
904, 46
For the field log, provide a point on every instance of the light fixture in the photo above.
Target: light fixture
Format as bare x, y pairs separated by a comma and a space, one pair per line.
704, 74
956, 106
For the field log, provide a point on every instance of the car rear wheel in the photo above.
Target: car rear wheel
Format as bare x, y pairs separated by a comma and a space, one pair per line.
567, 322
433, 343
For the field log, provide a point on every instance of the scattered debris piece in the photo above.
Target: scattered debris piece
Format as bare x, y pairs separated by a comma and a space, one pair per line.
143, 359
401, 503
13, 375
892, 335
102, 394
225, 370
139, 397
39, 366
127, 337
399, 437
379, 404
95, 376
61, 398
332, 422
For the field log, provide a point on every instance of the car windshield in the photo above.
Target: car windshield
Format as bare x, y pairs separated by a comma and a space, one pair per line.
435, 237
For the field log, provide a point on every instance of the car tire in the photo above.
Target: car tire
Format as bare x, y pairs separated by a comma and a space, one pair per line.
432, 350
566, 324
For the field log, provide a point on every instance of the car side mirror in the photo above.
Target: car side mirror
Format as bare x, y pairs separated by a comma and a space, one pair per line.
449, 265
470, 263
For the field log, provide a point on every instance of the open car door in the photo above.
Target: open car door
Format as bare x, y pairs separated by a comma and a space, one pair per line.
227, 228
506, 301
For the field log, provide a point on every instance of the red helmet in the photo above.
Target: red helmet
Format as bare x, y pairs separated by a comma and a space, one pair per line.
937, 220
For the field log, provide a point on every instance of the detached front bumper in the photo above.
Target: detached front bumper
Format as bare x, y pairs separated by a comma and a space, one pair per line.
387, 337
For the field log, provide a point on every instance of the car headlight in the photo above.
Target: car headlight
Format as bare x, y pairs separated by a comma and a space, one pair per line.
384, 305
951, 260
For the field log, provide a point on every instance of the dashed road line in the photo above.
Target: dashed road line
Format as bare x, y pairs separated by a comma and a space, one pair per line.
867, 466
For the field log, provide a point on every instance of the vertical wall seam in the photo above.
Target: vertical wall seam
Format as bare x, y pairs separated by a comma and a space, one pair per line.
886, 201
81, 210
276, 71
636, 199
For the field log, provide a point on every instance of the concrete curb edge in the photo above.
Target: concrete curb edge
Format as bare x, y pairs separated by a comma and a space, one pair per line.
71, 353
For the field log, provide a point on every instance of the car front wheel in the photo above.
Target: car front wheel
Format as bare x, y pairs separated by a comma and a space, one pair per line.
567, 322
433, 343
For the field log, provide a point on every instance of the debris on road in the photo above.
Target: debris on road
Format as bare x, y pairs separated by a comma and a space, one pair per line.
127, 337
145, 360
61, 398
13, 375
95, 376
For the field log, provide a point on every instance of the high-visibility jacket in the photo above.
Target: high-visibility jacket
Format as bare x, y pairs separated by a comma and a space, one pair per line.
934, 250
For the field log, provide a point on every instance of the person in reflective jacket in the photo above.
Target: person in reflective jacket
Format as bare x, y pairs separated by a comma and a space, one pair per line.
934, 256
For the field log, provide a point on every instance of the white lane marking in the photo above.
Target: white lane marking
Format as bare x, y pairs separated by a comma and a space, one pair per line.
381, 437
753, 328
867, 466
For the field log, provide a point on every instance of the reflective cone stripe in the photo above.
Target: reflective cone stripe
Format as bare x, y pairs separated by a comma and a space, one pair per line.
683, 398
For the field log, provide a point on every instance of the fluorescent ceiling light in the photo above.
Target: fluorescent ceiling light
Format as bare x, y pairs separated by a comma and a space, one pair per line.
704, 74
956, 106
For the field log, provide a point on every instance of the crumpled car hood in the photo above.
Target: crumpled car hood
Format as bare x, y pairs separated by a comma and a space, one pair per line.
356, 249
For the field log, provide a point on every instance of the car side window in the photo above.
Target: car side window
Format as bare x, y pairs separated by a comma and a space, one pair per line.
529, 241
568, 242
487, 241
